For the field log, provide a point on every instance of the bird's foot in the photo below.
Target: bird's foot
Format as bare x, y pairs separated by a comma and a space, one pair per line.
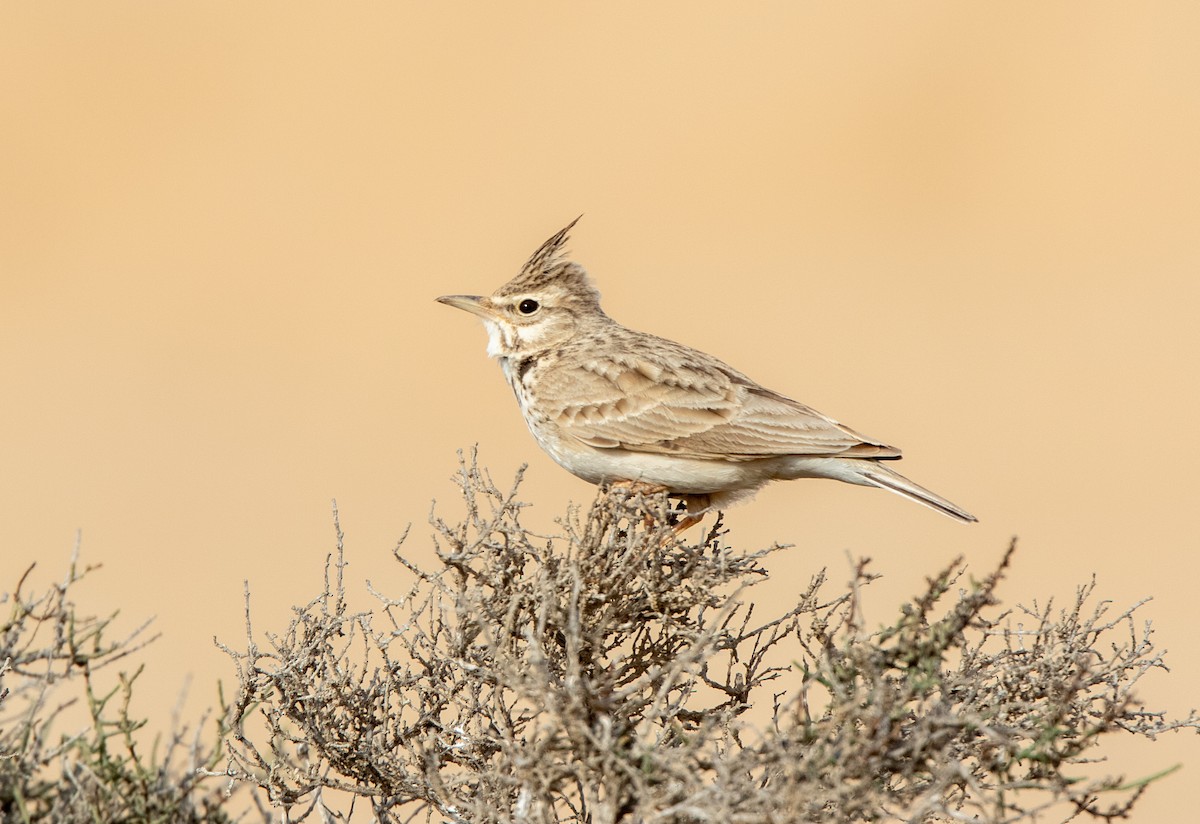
695, 507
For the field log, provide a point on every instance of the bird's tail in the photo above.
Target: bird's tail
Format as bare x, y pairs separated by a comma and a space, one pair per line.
876, 474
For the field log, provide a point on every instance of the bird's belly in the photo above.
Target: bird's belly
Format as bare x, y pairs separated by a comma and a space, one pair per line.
687, 476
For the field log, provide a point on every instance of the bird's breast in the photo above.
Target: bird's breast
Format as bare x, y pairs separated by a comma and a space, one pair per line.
518, 372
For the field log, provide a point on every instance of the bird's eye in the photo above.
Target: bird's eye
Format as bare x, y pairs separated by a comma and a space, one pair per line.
527, 306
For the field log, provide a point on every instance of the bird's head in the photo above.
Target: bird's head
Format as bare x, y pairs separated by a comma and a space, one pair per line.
539, 309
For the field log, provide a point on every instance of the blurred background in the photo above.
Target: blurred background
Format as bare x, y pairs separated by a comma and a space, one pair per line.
971, 231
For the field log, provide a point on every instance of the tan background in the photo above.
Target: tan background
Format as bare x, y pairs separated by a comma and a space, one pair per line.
969, 230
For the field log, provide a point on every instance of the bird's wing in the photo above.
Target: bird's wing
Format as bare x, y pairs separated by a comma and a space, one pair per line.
688, 406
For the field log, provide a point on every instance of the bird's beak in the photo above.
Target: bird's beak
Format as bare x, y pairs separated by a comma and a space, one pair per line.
471, 303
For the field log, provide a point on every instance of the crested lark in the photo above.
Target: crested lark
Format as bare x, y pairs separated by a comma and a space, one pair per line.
615, 406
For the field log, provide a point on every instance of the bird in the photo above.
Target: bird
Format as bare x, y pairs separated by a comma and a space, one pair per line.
622, 408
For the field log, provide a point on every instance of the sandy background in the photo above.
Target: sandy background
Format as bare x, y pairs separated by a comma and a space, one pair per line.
973, 232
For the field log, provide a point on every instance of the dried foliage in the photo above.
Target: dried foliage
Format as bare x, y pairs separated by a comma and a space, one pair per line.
611, 674
69, 748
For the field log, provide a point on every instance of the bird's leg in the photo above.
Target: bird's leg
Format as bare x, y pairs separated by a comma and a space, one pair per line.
696, 507
692, 511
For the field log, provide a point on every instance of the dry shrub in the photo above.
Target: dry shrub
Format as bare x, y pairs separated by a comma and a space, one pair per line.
71, 751
604, 676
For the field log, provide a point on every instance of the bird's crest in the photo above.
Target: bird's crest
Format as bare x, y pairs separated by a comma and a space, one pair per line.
548, 265
549, 252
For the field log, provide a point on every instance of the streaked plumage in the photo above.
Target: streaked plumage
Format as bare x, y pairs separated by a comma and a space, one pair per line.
612, 404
